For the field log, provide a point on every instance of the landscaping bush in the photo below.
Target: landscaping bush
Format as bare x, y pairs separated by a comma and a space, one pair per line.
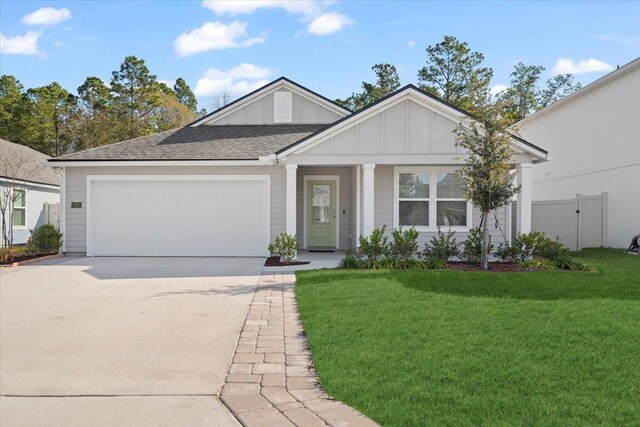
44, 240
350, 261
405, 243
375, 246
550, 249
443, 246
434, 263
472, 246
286, 246
506, 252
7, 255
528, 246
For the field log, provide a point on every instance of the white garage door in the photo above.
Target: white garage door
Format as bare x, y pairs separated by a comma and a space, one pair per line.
147, 216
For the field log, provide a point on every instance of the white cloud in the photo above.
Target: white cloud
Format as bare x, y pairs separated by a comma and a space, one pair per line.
314, 12
496, 89
20, 45
328, 23
411, 44
569, 66
214, 35
46, 16
238, 80
239, 7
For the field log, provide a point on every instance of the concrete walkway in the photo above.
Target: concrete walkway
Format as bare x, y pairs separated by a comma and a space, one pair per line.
271, 382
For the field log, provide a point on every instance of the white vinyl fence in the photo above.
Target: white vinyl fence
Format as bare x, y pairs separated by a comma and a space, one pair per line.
580, 222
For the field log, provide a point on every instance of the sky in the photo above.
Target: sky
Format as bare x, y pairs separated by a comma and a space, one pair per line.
327, 46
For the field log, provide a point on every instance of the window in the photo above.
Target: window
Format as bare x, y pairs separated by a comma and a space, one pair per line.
451, 206
413, 204
426, 199
19, 208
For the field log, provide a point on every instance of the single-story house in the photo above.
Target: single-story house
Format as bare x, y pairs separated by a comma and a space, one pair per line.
594, 140
280, 159
28, 181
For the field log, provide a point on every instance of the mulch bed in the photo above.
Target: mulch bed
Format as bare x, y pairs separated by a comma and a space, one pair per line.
274, 261
496, 267
24, 257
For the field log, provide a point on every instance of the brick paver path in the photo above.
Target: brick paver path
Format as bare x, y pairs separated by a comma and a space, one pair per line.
271, 381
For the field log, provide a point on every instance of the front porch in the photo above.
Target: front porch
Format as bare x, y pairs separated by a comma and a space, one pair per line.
329, 206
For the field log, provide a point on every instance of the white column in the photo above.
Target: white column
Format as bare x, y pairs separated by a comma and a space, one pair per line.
523, 221
291, 199
367, 198
358, 204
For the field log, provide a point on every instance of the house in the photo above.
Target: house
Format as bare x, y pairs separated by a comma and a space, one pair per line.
594, 140
280, 159
32, 186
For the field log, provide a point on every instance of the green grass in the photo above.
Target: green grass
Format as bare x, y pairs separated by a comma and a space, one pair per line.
414, 348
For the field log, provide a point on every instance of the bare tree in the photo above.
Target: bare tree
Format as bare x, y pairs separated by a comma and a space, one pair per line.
221, 99
16, 171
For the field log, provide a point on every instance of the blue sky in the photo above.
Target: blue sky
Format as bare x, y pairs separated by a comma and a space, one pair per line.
324, 45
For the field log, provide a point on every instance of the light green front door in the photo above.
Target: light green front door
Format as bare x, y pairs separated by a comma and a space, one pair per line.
321, 214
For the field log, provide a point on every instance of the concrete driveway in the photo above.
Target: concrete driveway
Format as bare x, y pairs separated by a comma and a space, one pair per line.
121, 341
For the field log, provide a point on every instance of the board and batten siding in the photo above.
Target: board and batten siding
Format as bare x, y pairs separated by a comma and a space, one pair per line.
260, 112
76, 191
405, 128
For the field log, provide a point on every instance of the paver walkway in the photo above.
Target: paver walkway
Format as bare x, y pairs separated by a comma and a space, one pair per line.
271, 381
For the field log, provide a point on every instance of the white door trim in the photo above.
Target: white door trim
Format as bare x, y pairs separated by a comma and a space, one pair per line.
335, 178
92, 178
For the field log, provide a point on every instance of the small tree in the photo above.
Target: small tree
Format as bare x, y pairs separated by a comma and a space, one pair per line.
486, 172
17, 170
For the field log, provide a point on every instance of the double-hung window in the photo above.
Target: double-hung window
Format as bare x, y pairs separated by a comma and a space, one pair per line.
19, 208
427, 198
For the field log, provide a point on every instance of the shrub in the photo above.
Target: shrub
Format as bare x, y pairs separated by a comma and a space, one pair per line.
506, 252
550, 249
434, 263
44, 240
443, 246
541, 263
375, 246
579, 266
350, 262
565, 263
7, 255
405, 243
472, 246
286, 246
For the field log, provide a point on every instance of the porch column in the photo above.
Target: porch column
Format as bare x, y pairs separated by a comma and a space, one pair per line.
523, 220
367, 198
291, 199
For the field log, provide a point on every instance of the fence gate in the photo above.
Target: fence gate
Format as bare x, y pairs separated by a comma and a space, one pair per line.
580, 222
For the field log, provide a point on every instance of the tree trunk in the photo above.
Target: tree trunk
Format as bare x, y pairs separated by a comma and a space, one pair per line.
485, 241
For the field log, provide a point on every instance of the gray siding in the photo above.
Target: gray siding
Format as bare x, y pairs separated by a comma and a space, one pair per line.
345, 202
260, 112
405, 128
76, 191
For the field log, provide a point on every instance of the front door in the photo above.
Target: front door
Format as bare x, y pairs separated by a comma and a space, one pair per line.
321, 213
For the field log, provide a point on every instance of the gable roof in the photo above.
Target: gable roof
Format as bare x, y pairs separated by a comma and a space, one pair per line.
37, 171
449, 109
602, 81
228, 142
264, 90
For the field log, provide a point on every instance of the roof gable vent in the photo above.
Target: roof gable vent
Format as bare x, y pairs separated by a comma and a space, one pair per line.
282, 108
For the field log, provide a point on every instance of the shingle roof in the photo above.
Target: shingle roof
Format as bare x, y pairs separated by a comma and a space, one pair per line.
23, 163
206, 142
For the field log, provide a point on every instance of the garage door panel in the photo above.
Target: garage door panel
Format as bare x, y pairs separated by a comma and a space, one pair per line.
179, 218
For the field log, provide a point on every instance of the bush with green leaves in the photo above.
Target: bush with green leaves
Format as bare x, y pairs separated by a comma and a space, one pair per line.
435, 263
286, 246
472, 246
528, 246
443, 246
44, 240
405, 243
375, 246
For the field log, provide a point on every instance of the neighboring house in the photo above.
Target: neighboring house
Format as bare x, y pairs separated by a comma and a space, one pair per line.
280, 159
26, 178
593, 136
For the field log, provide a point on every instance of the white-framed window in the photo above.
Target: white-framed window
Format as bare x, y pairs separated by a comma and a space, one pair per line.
426, 198
19, 208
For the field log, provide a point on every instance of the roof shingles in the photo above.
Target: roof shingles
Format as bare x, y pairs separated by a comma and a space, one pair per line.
228, 142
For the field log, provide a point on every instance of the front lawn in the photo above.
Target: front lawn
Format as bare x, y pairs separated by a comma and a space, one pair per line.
414, 348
